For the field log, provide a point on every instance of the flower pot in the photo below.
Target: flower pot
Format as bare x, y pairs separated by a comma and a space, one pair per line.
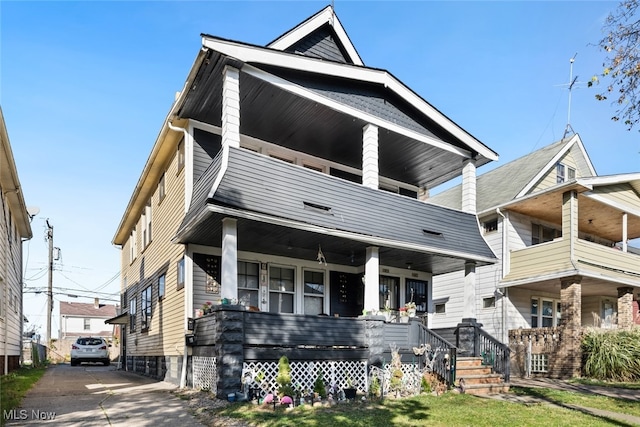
404, 319
411, 312
350, 393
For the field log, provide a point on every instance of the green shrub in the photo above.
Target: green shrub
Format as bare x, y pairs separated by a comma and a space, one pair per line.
318, 385
284, 378
612, 355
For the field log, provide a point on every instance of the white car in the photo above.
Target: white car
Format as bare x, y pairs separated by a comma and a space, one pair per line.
90, 349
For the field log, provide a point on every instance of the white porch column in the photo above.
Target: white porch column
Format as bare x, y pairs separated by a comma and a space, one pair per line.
625, 232
230, 107
372, 279
229, 273
370, 169
469, 186
469, 309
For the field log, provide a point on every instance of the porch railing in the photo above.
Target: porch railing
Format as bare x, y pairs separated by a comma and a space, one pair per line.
444, 363
493, 353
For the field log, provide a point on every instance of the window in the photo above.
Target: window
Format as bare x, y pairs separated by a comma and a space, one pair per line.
87, 324
541, 234
133, 245
491, 225
416, 291
313, 292
180, 273
145, 301
161, 281
123, 297
489, 302
15, 303
440, 308
161, 189
181, 155
132, 314
146, 225
389, 292
281, 289
564, 173
545, 312
248, 283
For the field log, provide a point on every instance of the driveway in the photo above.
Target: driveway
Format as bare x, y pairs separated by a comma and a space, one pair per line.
95, 395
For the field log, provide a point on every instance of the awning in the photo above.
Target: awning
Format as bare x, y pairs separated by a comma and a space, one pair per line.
120, 319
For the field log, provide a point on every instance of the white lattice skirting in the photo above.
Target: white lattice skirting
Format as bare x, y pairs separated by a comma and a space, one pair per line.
204, 373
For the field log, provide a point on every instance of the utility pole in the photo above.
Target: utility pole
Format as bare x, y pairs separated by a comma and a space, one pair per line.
50, 287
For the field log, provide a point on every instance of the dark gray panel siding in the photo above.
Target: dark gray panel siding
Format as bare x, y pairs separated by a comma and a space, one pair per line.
205, 148
321, 44
261, 184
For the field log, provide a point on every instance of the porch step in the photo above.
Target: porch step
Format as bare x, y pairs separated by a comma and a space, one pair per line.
478, 379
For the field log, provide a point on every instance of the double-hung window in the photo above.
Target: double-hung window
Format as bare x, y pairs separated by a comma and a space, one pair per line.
146, 225
281, 289
313, 292
145, 301
248, 283
132, 314
545, 312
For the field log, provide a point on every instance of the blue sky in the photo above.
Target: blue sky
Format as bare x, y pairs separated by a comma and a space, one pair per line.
85, 87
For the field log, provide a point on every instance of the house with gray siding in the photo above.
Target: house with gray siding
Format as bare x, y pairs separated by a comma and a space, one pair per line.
15, 227
562, 234
286, 186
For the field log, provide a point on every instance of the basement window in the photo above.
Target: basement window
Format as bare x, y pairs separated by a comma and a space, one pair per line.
489, 302
317, 208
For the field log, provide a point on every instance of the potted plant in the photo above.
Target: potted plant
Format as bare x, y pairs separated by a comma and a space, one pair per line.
318, 386
350, 389
411, 308
404, 315
284, 378
206, 307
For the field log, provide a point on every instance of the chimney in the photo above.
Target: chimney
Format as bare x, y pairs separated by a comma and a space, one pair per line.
96, 303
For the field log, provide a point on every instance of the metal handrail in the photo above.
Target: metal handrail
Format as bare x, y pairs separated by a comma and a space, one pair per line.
442, 353
493, 353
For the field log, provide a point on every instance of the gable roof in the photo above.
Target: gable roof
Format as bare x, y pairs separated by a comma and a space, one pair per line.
82, 309
10, 184
513, 179
270, 91
321, 36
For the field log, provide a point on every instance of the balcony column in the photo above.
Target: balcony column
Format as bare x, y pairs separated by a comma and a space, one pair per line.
229, 270
571, 326
570, 218
370, 167
469, 308
625, 232
469, 186
625, 307
230, 107
372, 279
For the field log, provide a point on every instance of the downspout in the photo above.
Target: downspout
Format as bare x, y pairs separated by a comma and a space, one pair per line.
187, 293
505, 293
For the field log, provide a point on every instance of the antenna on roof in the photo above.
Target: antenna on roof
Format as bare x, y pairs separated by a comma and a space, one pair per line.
572, 81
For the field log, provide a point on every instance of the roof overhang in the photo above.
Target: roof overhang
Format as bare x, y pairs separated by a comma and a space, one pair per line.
120, 319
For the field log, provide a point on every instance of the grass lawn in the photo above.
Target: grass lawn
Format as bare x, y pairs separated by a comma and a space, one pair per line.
449, 409
594, 401
15, 385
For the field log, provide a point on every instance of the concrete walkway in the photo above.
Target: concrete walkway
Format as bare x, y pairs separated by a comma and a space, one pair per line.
618, 393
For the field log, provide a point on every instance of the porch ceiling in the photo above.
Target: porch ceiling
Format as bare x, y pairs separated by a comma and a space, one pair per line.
594, 217
259, 237
275, 115
589, 287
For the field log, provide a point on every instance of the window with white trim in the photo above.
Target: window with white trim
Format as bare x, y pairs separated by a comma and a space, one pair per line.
87, 324
161, 285
314, 288
146, 225
132, 314
545, 312
564, 173
248, 283
180, 273
146, 309
133, 246
281, 289
162, 191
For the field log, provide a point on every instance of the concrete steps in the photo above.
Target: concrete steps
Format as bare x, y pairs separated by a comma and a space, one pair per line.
475, 378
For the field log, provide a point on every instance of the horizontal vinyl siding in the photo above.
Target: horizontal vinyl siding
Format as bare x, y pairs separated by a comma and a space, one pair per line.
621, 194
206, 146
166, 332
592, 255
258, 183
450, 285
540, 259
